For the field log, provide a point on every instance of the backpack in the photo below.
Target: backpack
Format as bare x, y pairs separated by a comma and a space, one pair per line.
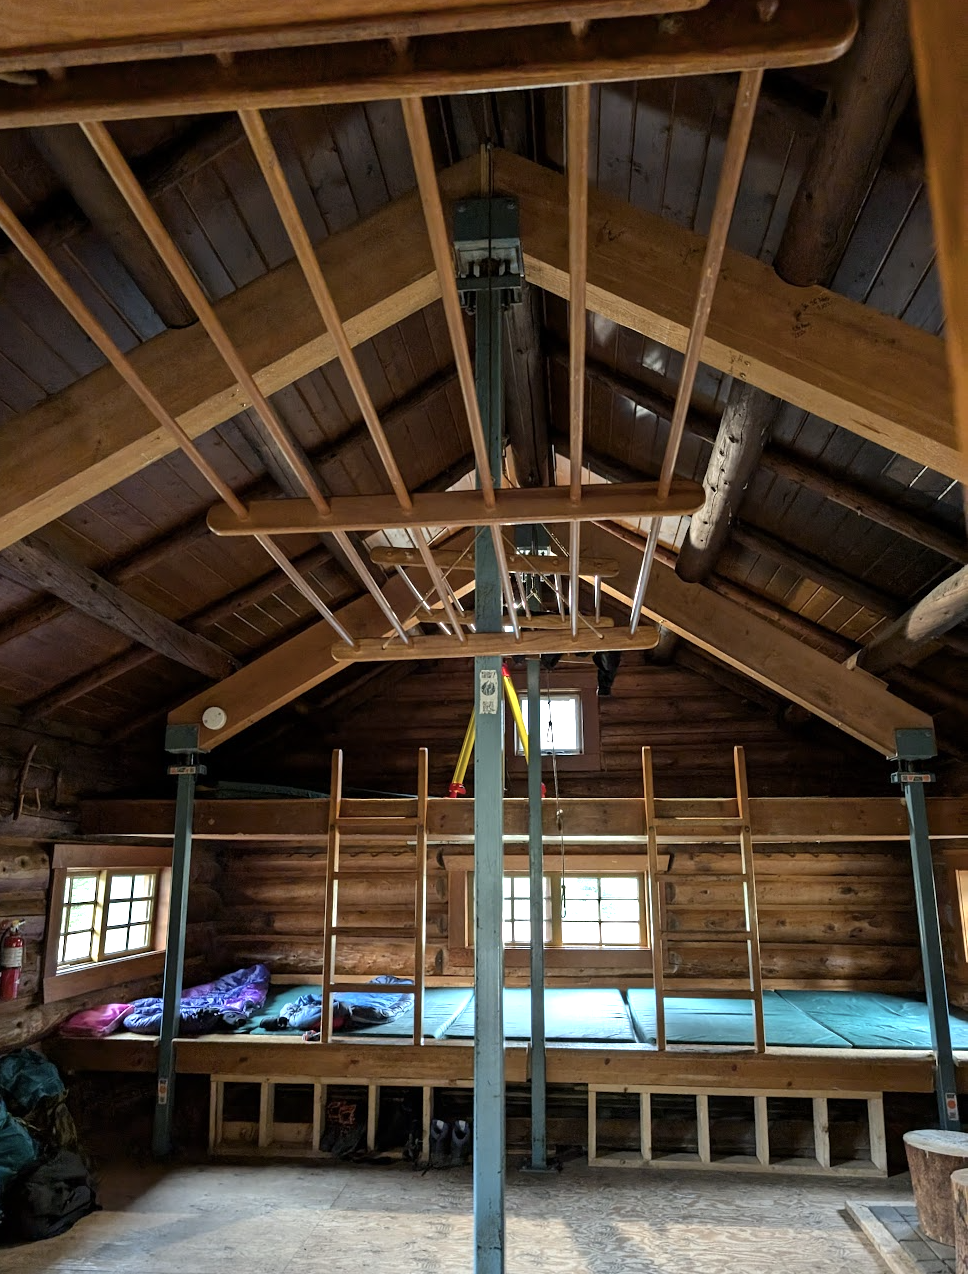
51, 1198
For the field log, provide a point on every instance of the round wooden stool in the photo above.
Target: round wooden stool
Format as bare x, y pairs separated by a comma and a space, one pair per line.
933, 1155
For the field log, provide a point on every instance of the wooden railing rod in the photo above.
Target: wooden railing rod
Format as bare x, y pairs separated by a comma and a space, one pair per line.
734, 158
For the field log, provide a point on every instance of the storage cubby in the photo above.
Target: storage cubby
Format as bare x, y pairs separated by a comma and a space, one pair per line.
760, 1131
293, 1114
791, 1132
732, 1130
239, 1113
675, 1119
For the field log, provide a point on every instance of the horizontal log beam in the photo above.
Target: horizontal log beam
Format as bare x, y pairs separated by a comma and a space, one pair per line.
797, 821
529, 643
524, 563
716, 39
513, 506
928, 620
34, 566
872, 374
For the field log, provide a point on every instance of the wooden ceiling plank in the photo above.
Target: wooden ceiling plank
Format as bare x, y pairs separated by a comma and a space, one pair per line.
33, 562
865, 371
92, 435
863, 708
65, 150
513, 506
721, 37
939, 35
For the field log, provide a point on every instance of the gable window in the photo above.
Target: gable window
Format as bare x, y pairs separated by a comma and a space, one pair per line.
106, 915
560, 721
579, 911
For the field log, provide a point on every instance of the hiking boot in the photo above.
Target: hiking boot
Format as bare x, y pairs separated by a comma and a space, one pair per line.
439, 1144
460, 1143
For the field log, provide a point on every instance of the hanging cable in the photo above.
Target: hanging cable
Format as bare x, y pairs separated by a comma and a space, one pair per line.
559, 812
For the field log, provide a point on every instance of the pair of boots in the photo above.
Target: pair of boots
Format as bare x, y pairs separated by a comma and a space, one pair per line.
450, 1144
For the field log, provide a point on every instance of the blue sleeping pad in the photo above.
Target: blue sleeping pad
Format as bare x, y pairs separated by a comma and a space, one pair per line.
592, 1015
721, 1021
874, 1019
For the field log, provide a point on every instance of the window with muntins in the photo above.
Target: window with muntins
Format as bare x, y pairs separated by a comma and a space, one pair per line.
579, 911
106, 915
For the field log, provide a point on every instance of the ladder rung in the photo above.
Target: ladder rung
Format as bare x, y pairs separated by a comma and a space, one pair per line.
704, 935
670, 994
378, 931
354, 988
368, 873
698, 828
377, 823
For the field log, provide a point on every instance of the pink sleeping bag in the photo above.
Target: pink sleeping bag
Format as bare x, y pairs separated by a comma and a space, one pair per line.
96, 1022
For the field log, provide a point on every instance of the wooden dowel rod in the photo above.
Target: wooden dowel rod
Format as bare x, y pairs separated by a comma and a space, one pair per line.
38, 259
734, 158
578, 112
45, 268
442, 249
275, 178
139, 203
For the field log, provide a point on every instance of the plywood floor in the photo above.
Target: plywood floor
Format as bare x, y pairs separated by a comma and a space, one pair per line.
353, 1219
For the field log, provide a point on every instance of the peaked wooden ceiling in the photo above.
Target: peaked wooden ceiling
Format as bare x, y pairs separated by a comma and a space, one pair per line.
837, 533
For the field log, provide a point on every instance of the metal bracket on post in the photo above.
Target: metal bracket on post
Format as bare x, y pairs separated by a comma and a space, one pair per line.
182, 742
915, 746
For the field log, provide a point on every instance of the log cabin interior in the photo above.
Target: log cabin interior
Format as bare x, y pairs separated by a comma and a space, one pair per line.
378, 379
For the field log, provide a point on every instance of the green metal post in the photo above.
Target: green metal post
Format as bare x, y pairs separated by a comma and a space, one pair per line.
489, 1152
914, 746
539, 1098
182, 741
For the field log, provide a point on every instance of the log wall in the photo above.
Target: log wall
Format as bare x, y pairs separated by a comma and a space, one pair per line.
691, 722
42, 777
841, 917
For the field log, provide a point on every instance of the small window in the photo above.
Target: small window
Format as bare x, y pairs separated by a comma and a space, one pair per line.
590, 911
106, 915
561, 724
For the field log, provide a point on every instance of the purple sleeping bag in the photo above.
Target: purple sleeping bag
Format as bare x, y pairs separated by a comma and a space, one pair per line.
221, 1005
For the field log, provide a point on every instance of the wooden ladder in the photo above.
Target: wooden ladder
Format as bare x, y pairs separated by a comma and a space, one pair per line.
374, 835
713, 830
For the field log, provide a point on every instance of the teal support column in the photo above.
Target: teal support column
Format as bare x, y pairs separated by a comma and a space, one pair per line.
183, 742
914, 746
489, 1136
539, 1098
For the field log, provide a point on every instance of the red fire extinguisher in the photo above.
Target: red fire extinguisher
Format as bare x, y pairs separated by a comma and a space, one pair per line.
11, 961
